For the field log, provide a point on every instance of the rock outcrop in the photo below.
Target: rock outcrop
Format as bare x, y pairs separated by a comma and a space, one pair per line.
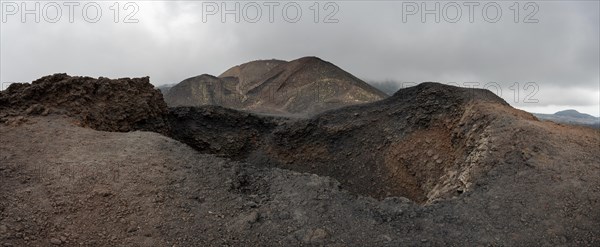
112, 105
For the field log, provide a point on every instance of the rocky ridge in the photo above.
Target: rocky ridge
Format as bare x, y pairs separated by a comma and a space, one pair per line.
103, 104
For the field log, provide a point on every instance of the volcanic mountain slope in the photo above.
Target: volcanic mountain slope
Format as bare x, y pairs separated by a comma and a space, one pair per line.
305, 86
251, 72
65, 185
425, 143
510, 180
501, 174
205, 90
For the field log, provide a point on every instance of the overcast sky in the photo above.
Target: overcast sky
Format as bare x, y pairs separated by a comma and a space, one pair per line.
558, 49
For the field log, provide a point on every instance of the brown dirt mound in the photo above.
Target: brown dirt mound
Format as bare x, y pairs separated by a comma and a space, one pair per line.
112, 105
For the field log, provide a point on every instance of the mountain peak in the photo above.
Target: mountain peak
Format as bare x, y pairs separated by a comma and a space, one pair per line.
253, 67
304, 86
311, 59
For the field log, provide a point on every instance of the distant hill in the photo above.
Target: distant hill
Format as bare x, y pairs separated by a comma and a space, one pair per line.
571, 117
574, 114
305, 86
165, 87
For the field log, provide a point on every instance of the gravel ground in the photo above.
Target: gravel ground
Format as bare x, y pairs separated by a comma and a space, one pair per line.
71, 186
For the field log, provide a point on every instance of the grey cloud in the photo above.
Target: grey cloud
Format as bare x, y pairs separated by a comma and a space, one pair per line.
171, 43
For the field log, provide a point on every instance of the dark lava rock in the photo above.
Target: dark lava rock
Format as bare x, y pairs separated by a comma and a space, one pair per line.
218, 130
377, 149
111, 105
